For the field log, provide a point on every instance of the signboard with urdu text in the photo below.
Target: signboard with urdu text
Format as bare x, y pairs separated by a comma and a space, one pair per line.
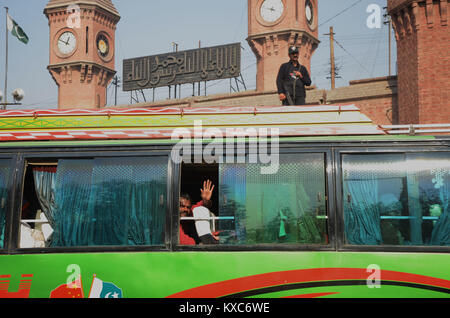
183, 67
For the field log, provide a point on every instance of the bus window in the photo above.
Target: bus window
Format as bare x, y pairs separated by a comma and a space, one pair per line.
198, 226
35, 228
95, 202
287, 207
192, 178
396, 199
5, 179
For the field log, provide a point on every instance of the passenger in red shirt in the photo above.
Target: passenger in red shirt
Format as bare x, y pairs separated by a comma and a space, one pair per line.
188, 234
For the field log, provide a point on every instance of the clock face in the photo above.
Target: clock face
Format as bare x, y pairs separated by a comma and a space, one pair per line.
309, 12
271, 10
102, 45
67, 43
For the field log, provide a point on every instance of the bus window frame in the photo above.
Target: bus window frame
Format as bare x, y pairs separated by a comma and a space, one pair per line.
340, 226
8, 231
333, 160
285, 148
23, 156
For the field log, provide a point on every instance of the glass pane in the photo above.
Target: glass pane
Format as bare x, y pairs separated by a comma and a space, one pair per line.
429, 198
286, 207
5, 185
103, 201
396, 199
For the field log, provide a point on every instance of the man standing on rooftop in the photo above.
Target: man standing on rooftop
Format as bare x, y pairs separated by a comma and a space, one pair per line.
292, 79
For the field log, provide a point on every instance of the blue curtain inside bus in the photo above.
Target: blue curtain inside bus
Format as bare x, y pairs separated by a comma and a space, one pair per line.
441, 229
107, 201
5, 170
439, 206
396, 199
362, 215
45, 182
286, 207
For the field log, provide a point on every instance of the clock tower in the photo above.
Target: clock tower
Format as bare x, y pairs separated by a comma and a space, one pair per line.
82, 38
273, 26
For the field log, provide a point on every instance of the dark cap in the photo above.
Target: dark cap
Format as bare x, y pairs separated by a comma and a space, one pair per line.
293, 49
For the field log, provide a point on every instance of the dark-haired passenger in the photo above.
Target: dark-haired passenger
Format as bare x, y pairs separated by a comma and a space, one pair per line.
188, 232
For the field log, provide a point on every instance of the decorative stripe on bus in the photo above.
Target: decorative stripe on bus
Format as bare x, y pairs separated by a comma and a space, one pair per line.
179, 110
24, 286
308, 278
105, 134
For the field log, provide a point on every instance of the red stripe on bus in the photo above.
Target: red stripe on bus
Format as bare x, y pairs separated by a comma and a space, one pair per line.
313, 295
233, 286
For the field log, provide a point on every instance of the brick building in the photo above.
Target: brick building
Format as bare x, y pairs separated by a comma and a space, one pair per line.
419, 94
423, 54
82, 59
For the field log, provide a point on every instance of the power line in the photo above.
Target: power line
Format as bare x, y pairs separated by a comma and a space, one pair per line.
340, 45
341, 12
241, 20
376, 55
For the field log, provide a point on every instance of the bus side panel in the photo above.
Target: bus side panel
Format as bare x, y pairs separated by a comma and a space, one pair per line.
237, 274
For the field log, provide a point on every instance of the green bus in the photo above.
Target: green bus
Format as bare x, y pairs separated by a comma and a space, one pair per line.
308, 202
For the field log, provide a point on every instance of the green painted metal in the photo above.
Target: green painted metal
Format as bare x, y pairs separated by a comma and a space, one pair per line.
161, 274
127, 142
165, 118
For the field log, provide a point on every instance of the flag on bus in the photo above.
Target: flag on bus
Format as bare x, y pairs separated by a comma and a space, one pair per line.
69, 290
101, 289
16, 30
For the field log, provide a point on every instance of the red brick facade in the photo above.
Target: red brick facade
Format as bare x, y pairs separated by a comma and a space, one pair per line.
376, 98
419, 94
82, 75
270, 40
423, 54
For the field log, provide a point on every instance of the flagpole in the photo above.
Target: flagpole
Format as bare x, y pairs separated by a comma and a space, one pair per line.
6, 66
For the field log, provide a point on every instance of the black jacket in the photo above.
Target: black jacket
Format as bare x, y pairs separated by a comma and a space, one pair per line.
286, 79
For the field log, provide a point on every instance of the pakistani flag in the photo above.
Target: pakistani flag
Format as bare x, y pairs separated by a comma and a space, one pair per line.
101, 289
16, 30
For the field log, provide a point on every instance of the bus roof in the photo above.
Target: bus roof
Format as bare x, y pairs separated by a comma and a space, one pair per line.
161, 123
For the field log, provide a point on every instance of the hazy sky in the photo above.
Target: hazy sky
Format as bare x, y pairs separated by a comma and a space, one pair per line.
149, 27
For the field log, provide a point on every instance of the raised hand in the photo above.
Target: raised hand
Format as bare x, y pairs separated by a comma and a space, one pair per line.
207, 190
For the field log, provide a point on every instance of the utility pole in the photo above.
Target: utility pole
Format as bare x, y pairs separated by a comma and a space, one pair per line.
333, 65
115, 82
390, 46
6, 65
175, 50
388, 21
